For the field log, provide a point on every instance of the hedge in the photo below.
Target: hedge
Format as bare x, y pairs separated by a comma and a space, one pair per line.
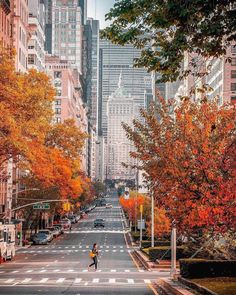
147, 244
157, 252
202, 268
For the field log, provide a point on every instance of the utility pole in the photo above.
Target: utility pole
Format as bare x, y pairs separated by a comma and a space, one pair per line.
173, 250
152, 229
141, 225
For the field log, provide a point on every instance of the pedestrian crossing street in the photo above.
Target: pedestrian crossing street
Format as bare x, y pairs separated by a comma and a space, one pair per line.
76, 281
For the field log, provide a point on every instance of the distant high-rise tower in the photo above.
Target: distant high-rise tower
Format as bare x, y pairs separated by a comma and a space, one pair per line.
64, 20
137, 81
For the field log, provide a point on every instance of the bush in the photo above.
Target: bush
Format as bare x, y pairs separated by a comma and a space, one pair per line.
147, 244
201, 268
136, 236
157, 252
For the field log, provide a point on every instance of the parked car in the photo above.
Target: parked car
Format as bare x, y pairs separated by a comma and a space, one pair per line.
40, 239
83, 215
77, 217
59, 227
99, 222
108, 205
55, 231
72, 219
48, 233
66, 224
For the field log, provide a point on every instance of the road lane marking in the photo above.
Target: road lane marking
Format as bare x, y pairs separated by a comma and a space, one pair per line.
27, 280
127, 270
112, 281
15, 271
130, 281
147, 281
9, 281
113, 270
44, 280
95, 280
43, 270
56, 270
31, 270
61, 280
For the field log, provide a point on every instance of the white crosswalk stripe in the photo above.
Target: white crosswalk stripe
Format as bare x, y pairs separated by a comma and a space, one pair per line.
147, 281
130, 281
61, 280
44, 280
77, 280
112, 281
95, 280
25, 281
9, 281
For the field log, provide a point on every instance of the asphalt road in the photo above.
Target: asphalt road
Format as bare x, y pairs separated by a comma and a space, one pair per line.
61, 267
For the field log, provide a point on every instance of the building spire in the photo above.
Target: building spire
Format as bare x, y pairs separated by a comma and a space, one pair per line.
120, 82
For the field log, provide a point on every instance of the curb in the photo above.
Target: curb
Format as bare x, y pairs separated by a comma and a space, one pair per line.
202, 290
23, 247
172, 287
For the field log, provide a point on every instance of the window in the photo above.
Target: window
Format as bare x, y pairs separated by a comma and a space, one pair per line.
58, 120
233, 61
233, 86
57, 74
58, 92
31, 59
57, 83
233, 48
58, 111
57, 102
233, 74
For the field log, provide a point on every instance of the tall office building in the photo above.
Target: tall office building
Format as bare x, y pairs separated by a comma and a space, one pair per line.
121, 107
113, 60
64, 30
36, 52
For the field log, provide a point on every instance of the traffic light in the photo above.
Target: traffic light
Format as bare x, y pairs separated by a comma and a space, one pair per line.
18, 235
66, 206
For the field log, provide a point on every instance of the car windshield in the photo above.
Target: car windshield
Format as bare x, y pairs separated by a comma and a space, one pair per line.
41, 235
46, 232
99, 220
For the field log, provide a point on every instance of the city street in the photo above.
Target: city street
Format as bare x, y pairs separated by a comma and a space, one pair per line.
61, 267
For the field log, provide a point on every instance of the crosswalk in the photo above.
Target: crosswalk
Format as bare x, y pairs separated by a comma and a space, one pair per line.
75, 281
70, 270
75, 251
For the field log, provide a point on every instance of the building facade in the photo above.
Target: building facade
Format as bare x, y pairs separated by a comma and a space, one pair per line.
121, 107
68, 102
5, 23
36, 52
20, 16
67, 31
113, 60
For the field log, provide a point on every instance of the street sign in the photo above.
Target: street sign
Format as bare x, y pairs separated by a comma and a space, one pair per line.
41, 206
143, 224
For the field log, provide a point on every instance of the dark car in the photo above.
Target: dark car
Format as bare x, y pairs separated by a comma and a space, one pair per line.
99, 222
40, 239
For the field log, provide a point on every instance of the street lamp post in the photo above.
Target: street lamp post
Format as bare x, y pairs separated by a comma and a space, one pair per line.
173, 250
152, 229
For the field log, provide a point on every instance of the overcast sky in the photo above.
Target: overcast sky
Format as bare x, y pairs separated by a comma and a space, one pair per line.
102, 7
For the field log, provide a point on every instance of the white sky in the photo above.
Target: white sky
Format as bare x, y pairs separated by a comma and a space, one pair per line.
98, 8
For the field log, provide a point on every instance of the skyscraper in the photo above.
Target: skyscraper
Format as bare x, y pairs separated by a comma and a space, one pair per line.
121, 107
137, 82
64, 30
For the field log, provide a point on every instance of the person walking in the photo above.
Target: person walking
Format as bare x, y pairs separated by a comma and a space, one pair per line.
94, 255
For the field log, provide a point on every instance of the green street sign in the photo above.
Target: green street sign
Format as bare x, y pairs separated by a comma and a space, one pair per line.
41, 206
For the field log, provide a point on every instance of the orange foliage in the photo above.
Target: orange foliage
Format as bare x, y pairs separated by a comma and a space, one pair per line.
132, 205
188, 154
162, 224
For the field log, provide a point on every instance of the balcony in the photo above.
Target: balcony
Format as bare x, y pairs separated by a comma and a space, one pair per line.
6, 6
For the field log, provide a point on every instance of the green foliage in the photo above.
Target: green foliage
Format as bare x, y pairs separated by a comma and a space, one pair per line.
200, 268
99, 188
165, 30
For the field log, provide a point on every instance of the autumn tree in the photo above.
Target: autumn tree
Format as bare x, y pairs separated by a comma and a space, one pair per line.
50, 153
166, 30
188, 155
162, 224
